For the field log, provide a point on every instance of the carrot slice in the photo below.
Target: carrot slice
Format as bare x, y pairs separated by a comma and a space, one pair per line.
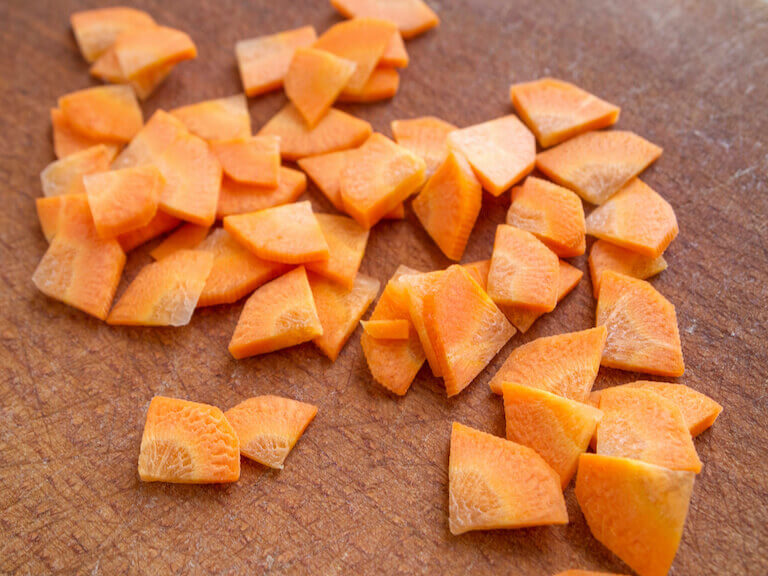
427, 137
263, 62
557, 428
220, 119
642, 327
48, 211
416, 287
606, 256
637, 510
501, 151
551, 213
79, 268
97, 30
143, 51
165, 292
185, 238
280, 314
65, 176
412, 17
68, 141
465, 327
377, 177
340, 309
238, 198
494, 483
449, 205
109, 113
597, 164
335, 131
159, 225
107, 68
565, 364
382, 84
395, 55
636, 218
188, 443
387, 329
346, 245
269, 427
479, 271
556, 111
253, 160
159, 133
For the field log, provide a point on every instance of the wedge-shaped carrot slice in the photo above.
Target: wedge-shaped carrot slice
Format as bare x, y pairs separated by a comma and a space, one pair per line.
159, 225
280, 314
253, 160
109, 113
220, 119
377, 177
65, 176
188, 443
494, 483
97, 30
551, 213
449, 205
159, 133
185, 238
336, 131
427, 137
108, 68
269, 427
596, 165
501, 151
140, 52
382, 84
395, 55
264, 61
412, 17
340, 309
642, 327
565, 364
557, 428
346, 245
416, 287
635, 509
387, 329
239, 198
556, 111
68, 141
606, 256
465, 327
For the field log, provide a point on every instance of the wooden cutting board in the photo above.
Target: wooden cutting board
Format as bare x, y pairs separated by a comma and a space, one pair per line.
365, 490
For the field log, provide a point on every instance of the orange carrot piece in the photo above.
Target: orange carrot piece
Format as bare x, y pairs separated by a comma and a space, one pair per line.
427, 137
412, 17
159, 133
109, 113
143, 51
346, 246
416, 287
386, 329
68, 141
96, 30
479, 271
382, 84
188, 237
253, 160
159, 225
395, 55
606, 256
48, 210
108, 69
239, 198
587, 573
65, 176
219, 119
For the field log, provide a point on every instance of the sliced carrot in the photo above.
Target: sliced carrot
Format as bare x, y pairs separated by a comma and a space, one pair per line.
340, 309
416, 287
65, 176
188, 443
264, 61
109, 113
220, 119
159, 133
79, 268
596, 165
48, 210
479, 271
382, 84
412, 17
188, 237
68, 141
556, 111
97, 30
143, 51
387, 329
395, 55
269, 427
253, 160
336, 131
494, 483
449, 205
164, 293
108, 68
346, 245
238, 198
427, 137
159, 225
606, 256
501, 151
642, 327
280, 314
551, 213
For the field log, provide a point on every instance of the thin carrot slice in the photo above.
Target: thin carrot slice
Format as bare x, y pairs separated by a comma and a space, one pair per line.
565, 364
465, 327
606, 256
336, 131
427, 137
269, 427
159, 133
79, 268
220, 119
253, 160
556, 111
557, 428
395, 55
636, 218
107, 68
346, 245
377, 177
264, 61
97, 30
637, 510
382, 84
109, 113
164, 293
412, 17
238, 198
494, 483
596, 165
340, 309
280, 314
65, 176
416, 287
185, 238
551, 213
159, 225
501, 151
387, 329
188, 443
449, 205
642, 327
140, 52
68, 141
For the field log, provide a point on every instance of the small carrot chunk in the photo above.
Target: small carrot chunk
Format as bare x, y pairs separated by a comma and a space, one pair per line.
346, 245
415, 287
108, 69
427, 137
159, 133
253, 160
220, 119
387, 329
97, 30
606, 256
395, 55
48, 211
238, 198
143, 51
382, 84
65, 176
68, 141
159, 225
412, 17
185, 238
109, 113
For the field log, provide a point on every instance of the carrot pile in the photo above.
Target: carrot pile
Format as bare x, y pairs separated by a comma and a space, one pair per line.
120, 182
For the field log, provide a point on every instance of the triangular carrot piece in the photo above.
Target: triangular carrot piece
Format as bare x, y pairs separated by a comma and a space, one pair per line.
636, 510
280, 314
79, 268
97, 30
188, 443
642, 327
140, 52
449, 204
556, 111
269, 427
336, 131
416, 287
501, 151
219, 119
239, 198
606, 256
412, 17
427, 137
263, 62
109, 113
68, 141
252, 160
382, 84
185, 238
565, 364
161, 131
346, 245
65, 176
164, 293
340, 309
159, 225
551, 213
395, 55
494, 483
387, 329
596, 165
557, 428
108, 68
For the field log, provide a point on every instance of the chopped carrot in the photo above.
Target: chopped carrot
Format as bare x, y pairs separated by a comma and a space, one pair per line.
68, 141
97, 30
346, 245
416, 287
395, 55
412, 17
479, 271
427, 137
108, 69
65, 176
387, 329
382, 84
188, 237
159, 225
253, 160
48, 210
220, 119
158, 134
188, 443
238, 198
606, 256
109, 113
140, 52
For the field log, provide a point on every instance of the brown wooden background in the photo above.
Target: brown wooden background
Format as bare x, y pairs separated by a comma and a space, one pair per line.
365, 491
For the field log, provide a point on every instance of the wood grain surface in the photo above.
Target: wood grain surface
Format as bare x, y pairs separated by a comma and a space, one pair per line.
365, 490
